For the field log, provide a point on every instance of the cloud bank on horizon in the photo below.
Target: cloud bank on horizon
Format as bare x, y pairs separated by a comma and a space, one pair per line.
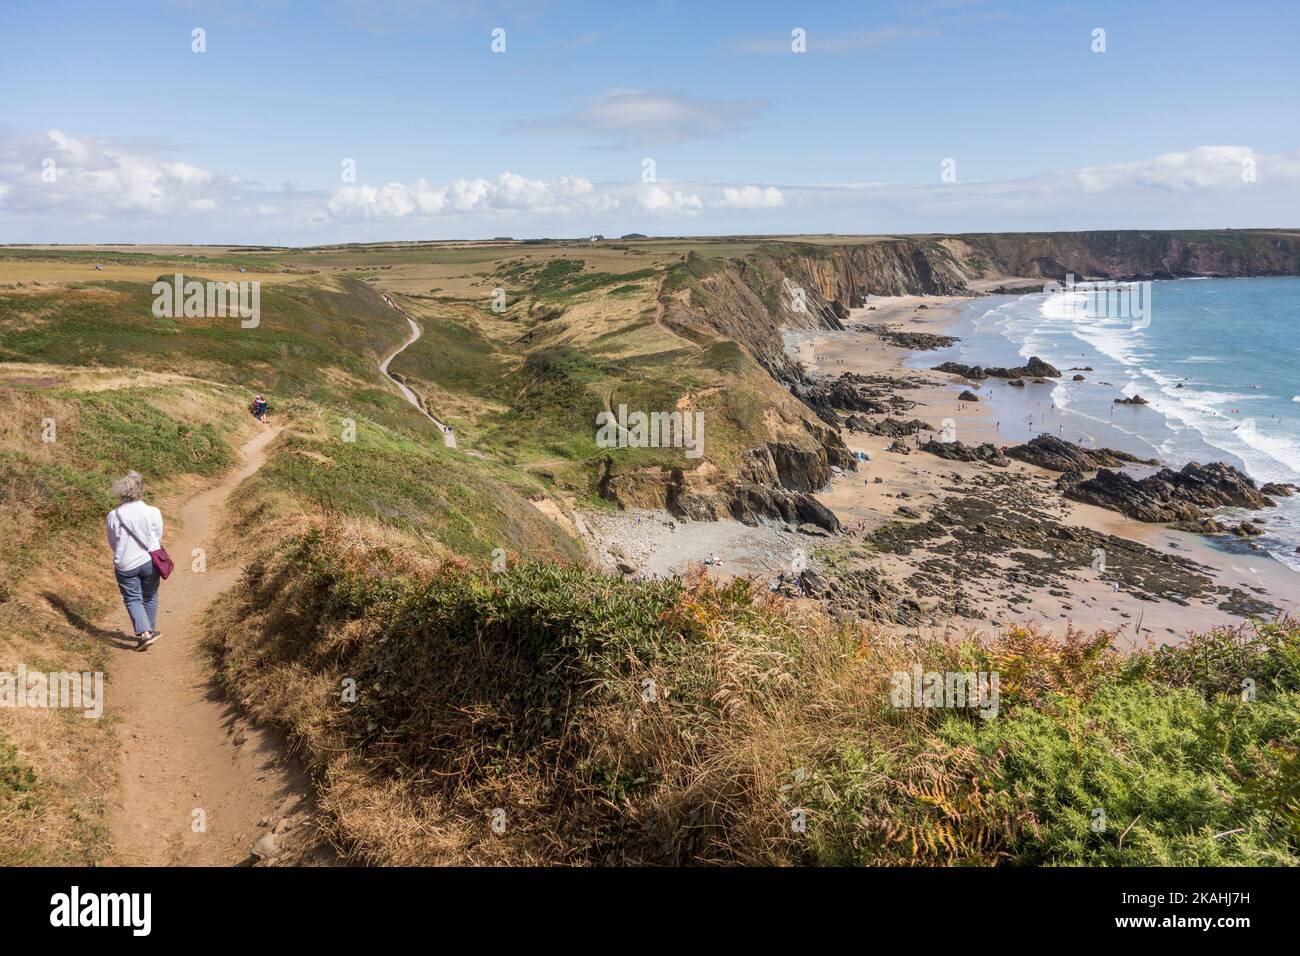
56, 187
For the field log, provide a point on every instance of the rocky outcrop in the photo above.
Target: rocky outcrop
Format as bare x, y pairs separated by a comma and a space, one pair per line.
959, 451
753, 299
851, 392
1135, 400
863, 593
968, 396
916, 341
1184, 495
773, 482
1057, 454
1034, 368
887, 427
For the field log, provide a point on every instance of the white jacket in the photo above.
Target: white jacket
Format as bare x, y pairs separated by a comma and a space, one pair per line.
146, 521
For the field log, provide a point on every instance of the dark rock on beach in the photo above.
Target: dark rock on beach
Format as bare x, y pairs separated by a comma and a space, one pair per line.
916, 341
887, 427
1168, 495
959, 451
852, 392
1135, 400
1057, 454
1034, 368
1201, 526
968, 396
1277, 489
1005, 536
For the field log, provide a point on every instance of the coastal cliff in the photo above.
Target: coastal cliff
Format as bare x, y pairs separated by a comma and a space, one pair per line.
752, 299
755, 299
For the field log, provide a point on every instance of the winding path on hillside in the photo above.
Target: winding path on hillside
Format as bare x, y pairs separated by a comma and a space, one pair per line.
197, 781
448, 434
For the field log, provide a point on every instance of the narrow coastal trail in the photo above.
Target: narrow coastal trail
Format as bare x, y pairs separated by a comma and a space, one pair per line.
184, 747
448, 436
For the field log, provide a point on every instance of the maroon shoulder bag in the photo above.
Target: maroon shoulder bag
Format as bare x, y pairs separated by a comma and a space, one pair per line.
161, 559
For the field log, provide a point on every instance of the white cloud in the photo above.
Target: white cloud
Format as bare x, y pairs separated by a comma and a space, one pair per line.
751, 197
108, 191
509, 192
624, 118
662, 202
1200, 168
55, 171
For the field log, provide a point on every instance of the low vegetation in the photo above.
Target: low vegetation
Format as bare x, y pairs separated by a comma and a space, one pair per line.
608, 721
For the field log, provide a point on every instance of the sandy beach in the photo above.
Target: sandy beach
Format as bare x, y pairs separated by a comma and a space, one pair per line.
1091, 601
1145, 582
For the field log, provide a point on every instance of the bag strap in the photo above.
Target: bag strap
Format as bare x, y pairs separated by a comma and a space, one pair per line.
130, 532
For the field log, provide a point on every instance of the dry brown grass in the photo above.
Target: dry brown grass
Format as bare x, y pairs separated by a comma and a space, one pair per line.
768, 691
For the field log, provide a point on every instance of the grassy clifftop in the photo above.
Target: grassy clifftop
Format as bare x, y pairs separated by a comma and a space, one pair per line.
92, 384
606, 721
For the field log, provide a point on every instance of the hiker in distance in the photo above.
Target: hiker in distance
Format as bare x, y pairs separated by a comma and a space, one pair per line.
135, 532
258, 408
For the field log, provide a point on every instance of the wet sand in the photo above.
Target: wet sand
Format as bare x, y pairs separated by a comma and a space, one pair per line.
918, 480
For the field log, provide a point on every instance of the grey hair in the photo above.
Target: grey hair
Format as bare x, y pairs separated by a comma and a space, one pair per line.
130, 487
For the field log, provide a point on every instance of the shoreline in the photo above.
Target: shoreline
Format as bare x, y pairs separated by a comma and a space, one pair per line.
958, 546
1091, 603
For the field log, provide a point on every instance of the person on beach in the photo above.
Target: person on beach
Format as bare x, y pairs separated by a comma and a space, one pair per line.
134, 530
258, 408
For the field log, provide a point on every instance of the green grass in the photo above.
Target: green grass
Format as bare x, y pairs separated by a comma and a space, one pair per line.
304, 329
122, 429
524, 688
232, 260
555, 397
470, 506
64, 491
562, 279
454, 357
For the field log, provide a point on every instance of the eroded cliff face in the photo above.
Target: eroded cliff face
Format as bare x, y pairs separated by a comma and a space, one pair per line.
752, 300
772, 481
1130, 254
800, 286
755, 299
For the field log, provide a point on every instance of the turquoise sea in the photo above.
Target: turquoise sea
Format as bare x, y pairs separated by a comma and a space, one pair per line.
1217, 359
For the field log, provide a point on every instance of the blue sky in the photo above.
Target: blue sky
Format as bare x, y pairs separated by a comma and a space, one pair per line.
246, 141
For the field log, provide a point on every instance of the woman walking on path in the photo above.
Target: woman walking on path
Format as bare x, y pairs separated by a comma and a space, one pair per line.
135, 530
